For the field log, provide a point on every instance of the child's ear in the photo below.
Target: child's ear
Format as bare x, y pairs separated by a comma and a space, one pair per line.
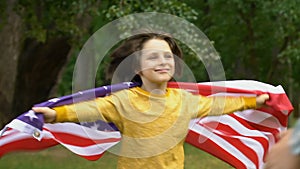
138, 72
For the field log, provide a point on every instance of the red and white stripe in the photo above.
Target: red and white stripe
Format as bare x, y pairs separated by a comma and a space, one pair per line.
88, 143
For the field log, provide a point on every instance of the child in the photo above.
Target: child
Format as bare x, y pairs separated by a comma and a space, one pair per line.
152, 118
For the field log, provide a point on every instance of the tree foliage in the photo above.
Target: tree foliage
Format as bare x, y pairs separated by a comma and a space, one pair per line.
50, 18
257, 40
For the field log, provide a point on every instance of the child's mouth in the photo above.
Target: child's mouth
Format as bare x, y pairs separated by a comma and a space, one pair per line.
162, 70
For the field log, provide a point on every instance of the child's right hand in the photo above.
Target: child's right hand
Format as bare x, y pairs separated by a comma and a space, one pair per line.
49, 114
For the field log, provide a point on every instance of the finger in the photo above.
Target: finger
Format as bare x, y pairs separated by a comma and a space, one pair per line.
264, 96
39, 109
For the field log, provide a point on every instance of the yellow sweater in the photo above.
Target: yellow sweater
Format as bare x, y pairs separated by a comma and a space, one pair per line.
153, 126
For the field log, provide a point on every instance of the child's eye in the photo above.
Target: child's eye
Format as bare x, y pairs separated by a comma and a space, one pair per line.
152, 57
168, 56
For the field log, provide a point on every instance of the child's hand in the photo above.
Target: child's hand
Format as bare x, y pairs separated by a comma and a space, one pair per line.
261, 100
49, 114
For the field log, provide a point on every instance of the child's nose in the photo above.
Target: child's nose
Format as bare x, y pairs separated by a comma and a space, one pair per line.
162, 59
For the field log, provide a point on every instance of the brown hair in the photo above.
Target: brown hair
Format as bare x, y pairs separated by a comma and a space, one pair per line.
132, 46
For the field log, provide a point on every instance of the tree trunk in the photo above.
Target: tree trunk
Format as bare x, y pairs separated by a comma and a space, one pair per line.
10, 44
38, 69
29, 69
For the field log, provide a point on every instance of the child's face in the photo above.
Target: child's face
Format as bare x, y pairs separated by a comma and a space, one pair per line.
157, 62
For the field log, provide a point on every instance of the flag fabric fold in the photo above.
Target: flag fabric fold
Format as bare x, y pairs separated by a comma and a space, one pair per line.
241, 139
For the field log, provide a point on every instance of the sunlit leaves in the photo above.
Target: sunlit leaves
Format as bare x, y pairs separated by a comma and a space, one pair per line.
48, 18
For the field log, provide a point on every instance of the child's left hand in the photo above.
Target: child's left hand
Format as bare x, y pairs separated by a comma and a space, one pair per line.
261, 100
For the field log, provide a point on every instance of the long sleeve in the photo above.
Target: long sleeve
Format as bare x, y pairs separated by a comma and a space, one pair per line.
98, 109
218, 105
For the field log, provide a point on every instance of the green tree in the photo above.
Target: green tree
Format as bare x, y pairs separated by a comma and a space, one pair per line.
38, 38
256, 39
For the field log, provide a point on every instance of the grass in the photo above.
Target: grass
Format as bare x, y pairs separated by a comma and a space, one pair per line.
60, 158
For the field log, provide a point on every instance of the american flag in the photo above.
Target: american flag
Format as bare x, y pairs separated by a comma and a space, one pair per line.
241, 139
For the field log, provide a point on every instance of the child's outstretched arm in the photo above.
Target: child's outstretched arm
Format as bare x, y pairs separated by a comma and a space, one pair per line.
219, 105
98, 109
